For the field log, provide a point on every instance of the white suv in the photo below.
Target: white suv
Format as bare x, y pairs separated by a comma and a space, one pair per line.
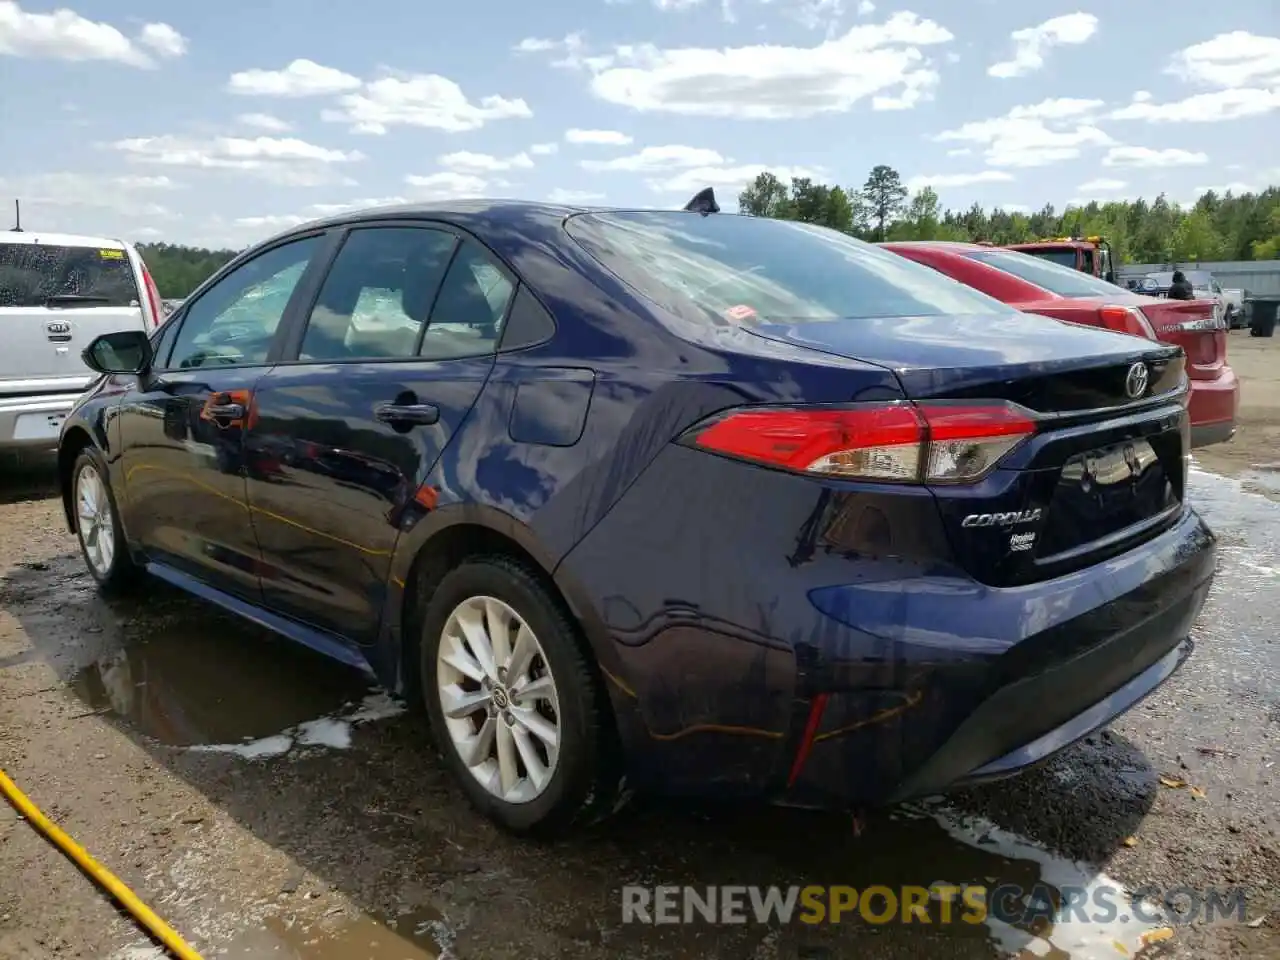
58, 292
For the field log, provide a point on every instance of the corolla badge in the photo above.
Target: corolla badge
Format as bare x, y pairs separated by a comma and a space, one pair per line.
1012, 518
1135, 384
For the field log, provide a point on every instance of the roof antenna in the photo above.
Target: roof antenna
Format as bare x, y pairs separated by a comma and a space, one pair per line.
704, 202
17, 216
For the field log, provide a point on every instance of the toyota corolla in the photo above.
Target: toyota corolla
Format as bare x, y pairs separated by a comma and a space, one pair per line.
668, 500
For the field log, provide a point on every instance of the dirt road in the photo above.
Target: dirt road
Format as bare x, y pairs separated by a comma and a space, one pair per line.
271, 804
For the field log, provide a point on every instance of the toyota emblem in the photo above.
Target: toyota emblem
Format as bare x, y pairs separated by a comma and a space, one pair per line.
1135, 384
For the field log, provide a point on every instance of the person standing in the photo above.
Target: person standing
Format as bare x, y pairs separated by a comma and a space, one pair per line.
1181, 289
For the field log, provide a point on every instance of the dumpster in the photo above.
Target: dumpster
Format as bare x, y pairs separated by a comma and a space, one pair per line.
1262, 316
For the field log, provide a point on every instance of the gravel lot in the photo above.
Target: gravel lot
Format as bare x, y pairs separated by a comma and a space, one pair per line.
270, 804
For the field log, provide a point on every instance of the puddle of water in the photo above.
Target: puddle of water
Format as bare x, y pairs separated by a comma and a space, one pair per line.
333, 732
416, 935
1071, 934
195, 682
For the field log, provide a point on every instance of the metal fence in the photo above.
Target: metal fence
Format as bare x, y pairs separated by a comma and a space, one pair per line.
1260, 277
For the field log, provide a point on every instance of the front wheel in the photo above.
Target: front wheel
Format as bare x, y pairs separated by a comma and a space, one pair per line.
513, 702
98, 529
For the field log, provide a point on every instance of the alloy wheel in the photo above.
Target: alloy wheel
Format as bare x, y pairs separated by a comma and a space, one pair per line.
499, 699
95, 524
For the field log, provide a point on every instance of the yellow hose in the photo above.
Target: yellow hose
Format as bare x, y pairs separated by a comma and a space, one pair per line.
145, 916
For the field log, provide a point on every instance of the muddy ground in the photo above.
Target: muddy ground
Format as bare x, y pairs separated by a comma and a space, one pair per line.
270, 804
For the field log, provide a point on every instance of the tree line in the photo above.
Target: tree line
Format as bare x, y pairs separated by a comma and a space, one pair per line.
1217, 226
1226, 226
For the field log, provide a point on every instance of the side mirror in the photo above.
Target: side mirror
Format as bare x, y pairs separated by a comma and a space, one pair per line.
128, 351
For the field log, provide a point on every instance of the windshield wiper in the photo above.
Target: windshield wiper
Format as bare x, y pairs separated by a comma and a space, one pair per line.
65, 298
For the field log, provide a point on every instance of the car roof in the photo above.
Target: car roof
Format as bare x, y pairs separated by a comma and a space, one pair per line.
479, 211
61, 239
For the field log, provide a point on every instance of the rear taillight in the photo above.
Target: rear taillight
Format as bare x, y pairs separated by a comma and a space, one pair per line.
895, 442
1126, 320
153, 297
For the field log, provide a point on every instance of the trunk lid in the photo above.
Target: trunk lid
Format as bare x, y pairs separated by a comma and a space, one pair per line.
55, 297
1106, 468
1193, 325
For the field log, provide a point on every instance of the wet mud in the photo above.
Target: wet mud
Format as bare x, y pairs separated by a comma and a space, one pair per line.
271, 804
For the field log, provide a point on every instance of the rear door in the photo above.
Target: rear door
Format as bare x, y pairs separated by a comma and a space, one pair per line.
348, 428
54, 299
182, 427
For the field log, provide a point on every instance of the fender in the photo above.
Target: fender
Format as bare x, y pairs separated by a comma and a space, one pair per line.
386, 659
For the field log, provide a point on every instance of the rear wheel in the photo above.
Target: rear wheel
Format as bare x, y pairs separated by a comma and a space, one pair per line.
102, 542
514, 705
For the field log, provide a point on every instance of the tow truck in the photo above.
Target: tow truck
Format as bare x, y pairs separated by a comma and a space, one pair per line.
1087, 254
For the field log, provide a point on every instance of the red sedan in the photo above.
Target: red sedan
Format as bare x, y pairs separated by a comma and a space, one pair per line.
1035, 285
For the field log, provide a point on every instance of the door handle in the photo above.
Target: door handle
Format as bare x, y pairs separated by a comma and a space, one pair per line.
407, 414
225, 411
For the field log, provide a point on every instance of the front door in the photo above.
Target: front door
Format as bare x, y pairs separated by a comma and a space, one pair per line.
347, 432
182, 430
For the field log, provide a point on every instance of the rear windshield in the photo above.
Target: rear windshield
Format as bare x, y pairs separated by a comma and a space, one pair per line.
1065, 258
32, 273
1063, 281
738, 269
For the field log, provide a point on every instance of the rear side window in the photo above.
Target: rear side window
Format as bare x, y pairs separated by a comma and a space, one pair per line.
34, 274
1063, 281
1063, 258
738, 269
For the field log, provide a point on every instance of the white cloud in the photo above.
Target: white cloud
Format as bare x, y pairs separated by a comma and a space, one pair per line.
264, 121
767, 81
57, 192
1232, 104
283, 160
866, 8
1236, 188
1149, 157
420, 100
607, 138
941, 181
1058, 108
570, 51
163, 40
279, 221
730, 180
446, 185
1033, 135
330, 209
301, 78
65, 35
960, 152
1032, 43
657, 159
574, 197
544, 149
1102, 185
1235, 59
478, 163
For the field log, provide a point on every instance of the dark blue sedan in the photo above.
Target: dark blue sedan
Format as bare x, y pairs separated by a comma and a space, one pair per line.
676, 501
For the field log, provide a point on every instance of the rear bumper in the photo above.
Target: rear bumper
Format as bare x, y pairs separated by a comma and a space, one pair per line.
1212, 408
28, 423
756, 645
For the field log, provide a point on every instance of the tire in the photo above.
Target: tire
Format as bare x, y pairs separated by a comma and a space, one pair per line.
113, 568
579, 781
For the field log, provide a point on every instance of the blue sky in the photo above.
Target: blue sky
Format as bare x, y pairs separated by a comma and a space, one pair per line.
220, 124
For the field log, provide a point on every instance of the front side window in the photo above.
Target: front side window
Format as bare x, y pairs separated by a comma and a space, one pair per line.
736, 269
376, 298
1063, 281
235, 320
50, 274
